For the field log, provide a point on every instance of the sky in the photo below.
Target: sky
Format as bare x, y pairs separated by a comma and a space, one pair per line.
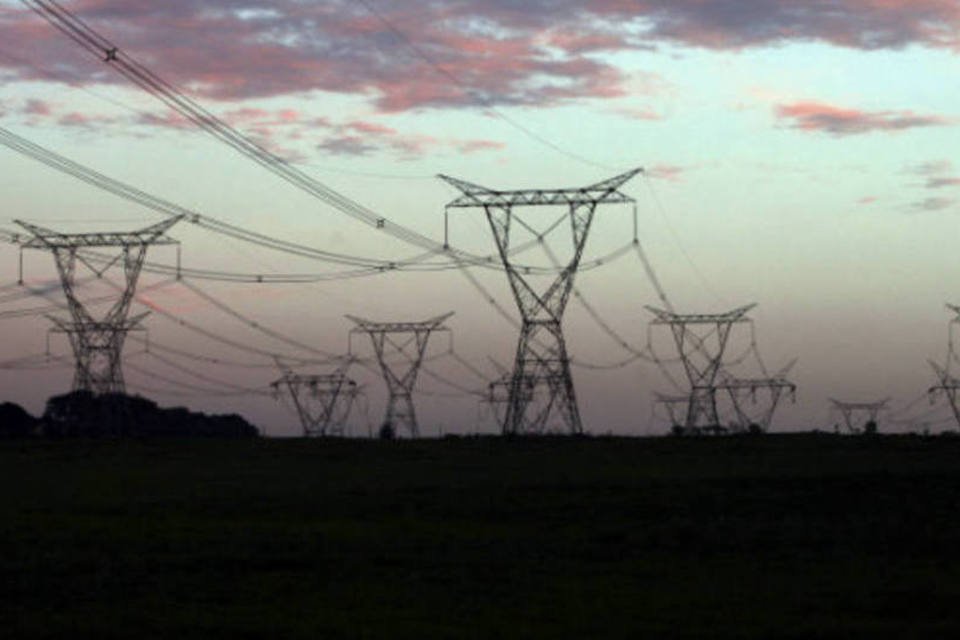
797, 155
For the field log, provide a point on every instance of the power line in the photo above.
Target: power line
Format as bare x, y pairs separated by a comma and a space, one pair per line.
482, 100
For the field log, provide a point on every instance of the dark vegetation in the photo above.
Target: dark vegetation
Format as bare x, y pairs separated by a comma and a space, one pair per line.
86, 415
806, 536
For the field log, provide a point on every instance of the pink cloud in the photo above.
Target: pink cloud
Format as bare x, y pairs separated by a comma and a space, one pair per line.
371, 128
638, 113
469, 53
35, 107
669, 172
77, 119
473, 146
839, 121
941, 182
868, 200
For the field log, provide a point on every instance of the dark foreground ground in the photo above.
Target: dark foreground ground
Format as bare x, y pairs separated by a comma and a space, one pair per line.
776, 537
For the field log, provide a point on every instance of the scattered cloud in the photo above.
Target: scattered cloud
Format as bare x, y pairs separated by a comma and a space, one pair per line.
36, 107
934, 175
930, 168
669, 172
933, 204
450, 53
841, 121
80, 120
943, 181
638, 113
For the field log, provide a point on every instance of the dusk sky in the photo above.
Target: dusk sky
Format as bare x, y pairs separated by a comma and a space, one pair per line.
799, 155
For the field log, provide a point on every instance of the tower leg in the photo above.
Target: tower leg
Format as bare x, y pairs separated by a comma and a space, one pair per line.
541, 364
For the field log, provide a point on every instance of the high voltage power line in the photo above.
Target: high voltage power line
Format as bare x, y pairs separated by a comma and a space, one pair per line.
453, 258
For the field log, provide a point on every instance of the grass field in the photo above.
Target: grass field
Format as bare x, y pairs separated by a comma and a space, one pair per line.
772, 537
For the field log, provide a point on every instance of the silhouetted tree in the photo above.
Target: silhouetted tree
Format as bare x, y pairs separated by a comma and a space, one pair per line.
870, 428
387, 431
83, 414
15, 422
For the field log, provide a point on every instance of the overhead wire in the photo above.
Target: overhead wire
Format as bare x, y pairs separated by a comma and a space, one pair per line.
103, 49
476, 95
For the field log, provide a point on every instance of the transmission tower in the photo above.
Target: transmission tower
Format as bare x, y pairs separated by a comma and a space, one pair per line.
741, 390
98, 344
498, 396
323, 401
676, 407
701, 340
541, 359
401, 377
850, 410
949, 386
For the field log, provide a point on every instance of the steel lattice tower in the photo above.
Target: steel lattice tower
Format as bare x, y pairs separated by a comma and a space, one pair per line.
98, 344
541, 358
323, 401
400, 377
848, 410
949, 386
702, 357
742, 389
946, 382
676, 407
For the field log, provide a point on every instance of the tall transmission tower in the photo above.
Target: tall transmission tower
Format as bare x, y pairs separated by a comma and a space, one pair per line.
541, 359
401, 377
98, 344
849, 411
701, 340
947, 384
742, 390
323, 401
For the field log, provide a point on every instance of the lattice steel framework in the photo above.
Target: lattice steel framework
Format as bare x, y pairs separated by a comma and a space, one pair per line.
541, 360
98, 344
742, 390
850, 410
947, 384
400, 377
701, 340
675, 405
323, 401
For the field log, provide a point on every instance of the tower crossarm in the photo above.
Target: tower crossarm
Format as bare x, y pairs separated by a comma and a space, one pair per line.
604, 192
860, 406
43, 238
663, 398
669, 317
756, 383
433, 324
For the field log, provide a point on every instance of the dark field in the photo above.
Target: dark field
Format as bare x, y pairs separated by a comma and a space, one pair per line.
775, 537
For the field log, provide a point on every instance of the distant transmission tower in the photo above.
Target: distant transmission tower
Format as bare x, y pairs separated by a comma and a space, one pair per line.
676, 407
742, 390
947, 384
98, 344
701, 340
849, 411
401, 377
541, 361
323, 401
